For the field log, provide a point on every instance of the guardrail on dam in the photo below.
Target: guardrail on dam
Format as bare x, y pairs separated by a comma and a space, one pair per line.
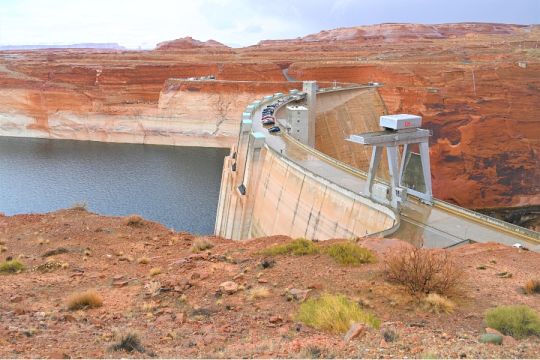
275, 184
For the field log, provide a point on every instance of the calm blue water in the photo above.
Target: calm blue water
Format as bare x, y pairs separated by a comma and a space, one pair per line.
176, 186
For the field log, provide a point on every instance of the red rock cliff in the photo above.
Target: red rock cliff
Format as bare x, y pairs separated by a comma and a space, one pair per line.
476, 85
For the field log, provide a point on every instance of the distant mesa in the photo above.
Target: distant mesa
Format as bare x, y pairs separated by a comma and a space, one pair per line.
391, 32
108, 46
189, 43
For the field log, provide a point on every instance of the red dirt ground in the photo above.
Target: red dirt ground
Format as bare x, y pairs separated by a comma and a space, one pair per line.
180, 313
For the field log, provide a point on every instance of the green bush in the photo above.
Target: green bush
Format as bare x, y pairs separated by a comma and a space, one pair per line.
296, 247
347, 253
517, 321
334, 313
11, 266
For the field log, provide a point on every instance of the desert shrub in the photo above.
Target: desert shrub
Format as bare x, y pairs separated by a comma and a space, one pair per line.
11, 266
334, 313
143, 260
424, 271
84, 300
129, 342
49, 266
201, 244
517, 321
296, 247
438, 304
347, 253
315, 352
155, 271
134, 220
259, 292
532, 286
80, 206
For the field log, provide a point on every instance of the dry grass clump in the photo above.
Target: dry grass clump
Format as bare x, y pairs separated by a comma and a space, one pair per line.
424, 271
143, 260
155, 271
334, 313
296, 247
134, 220
201, 244
517, 321
532, 286
259, 292
79, 206
84, 300
347, 253
438, 304
128, 342
11, 266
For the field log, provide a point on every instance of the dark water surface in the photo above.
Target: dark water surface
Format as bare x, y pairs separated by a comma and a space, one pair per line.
176, 186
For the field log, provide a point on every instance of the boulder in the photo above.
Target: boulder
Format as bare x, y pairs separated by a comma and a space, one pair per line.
228, 287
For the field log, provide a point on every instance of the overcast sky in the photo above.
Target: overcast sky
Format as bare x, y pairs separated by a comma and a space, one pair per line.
143, 23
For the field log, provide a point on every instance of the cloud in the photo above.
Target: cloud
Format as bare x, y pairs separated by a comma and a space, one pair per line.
242, 22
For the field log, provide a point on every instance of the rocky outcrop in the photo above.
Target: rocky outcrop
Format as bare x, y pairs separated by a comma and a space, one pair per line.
189, 43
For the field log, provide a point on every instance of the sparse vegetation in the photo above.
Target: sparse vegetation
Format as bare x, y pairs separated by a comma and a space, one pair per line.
347, 253
389, 335
315, 352
438, 304
143, 260
424, 271
259, 292
134, 220
155, 271
84, 300
201, 244
129, 342
532, 286
49, 266
11, 266
334, 313
296, 247
517, 321
80, 206
429, 355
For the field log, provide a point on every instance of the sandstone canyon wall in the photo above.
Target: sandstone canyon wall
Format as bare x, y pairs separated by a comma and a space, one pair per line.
477, 87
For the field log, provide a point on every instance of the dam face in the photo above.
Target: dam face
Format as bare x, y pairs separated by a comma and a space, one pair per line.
287, 189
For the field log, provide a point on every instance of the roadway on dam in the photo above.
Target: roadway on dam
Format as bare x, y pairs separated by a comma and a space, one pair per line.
440, 225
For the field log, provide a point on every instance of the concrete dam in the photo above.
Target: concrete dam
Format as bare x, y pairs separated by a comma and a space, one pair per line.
308, 181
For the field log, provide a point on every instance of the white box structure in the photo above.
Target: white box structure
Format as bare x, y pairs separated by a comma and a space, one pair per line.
298, 118
400, 121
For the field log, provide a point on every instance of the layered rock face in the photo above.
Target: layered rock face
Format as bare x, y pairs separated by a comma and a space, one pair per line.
476, 86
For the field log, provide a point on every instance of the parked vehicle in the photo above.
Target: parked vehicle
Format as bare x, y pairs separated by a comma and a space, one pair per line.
269, 121
274, 129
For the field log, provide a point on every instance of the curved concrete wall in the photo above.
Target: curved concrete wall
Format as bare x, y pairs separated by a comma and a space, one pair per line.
342, 113
285, 188
293, 201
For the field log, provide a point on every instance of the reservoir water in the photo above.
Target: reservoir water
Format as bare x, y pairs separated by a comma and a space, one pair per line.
176, 186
